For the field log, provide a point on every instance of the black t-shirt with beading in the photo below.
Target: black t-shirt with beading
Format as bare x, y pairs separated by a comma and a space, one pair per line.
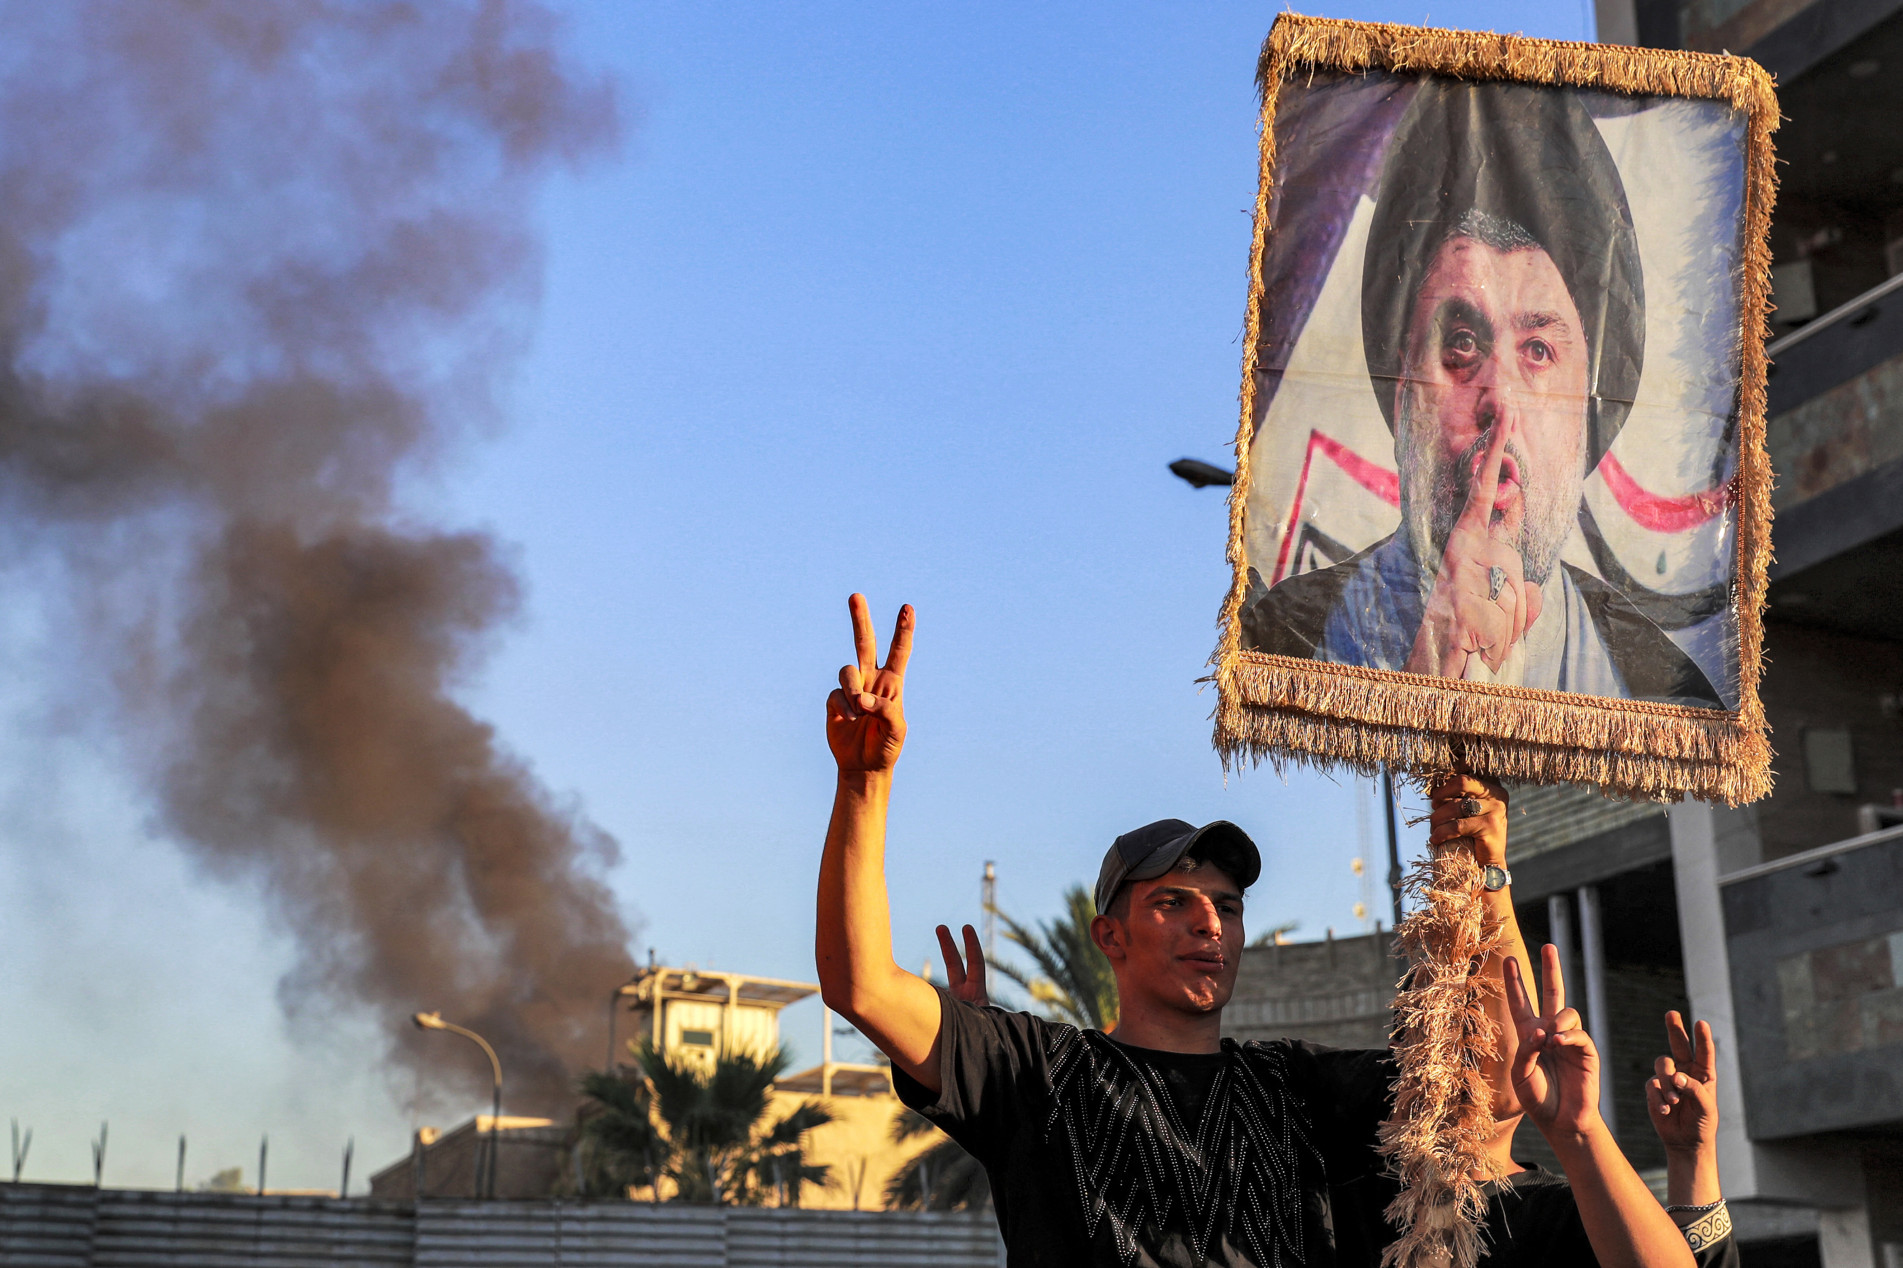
1104, 1154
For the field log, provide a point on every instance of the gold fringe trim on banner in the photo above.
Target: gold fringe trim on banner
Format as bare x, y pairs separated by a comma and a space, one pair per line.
1313, 712
1335, 44
1443, 1121
1279, 709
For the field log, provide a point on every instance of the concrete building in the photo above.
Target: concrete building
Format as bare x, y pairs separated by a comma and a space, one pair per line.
1782, 924
532, 1159
693, 1014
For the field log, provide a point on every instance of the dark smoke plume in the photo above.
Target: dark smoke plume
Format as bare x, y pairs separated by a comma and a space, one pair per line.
258, 265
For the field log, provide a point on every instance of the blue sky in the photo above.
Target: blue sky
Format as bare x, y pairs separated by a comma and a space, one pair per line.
917, 300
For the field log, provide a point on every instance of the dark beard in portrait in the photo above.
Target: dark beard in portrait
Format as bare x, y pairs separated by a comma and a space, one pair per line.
1434, 493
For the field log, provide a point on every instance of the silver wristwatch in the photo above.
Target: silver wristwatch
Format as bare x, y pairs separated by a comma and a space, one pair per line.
1495, 878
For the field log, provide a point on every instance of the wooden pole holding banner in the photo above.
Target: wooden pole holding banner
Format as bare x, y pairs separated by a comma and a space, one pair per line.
1437, 1141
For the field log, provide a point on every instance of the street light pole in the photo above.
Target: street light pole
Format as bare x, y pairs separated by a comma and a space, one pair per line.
1394, 844
434, 1021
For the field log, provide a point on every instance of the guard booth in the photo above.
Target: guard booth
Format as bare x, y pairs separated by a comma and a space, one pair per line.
697, 1013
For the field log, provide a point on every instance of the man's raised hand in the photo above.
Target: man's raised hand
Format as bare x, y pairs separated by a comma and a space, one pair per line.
1481, 603
964, 978
1556, 1069
1682, 1094
865, 716
1484, 830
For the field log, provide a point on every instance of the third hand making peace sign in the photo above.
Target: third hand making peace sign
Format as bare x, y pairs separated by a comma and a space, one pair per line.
1481, 603
865, 717
1556, 1068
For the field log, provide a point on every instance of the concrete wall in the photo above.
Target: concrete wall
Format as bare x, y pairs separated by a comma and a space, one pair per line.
857, 1146
1816, 956
68, 1226
1334, 992
1817, 678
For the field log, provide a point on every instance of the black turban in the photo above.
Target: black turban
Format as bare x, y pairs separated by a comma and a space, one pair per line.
1525, 154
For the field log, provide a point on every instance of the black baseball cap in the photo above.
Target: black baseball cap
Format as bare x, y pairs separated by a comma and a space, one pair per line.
1155, 848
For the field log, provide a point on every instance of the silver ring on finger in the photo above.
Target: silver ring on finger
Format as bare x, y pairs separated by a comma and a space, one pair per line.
1470, 807
1496, 579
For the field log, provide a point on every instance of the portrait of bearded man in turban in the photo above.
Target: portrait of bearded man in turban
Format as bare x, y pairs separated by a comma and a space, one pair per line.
1503, 324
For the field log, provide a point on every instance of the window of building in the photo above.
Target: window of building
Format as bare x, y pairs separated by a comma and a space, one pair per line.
1829, 764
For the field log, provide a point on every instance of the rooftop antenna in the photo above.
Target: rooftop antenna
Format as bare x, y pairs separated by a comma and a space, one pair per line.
264, 1149
990, 897
178, 1181
20, 1146
99, 1156
343, 1189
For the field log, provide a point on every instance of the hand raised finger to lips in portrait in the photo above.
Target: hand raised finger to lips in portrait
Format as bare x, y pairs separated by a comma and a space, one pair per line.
1481, 603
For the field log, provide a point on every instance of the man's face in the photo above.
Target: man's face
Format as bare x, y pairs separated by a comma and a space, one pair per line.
1179, 940
1494, 340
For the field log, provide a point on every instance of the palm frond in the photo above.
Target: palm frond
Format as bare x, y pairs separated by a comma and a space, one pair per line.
620, 1146
804, 1118
1073, 980
1271, 937
908, 1123
941, 1178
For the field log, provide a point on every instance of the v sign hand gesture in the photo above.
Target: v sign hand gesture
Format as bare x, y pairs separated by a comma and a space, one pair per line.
1556, 1077
1556, 1069
865, 717
965, 978
1682, 1095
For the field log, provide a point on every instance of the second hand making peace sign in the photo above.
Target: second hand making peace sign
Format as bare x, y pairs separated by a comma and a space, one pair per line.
1481, 603
1556, 1065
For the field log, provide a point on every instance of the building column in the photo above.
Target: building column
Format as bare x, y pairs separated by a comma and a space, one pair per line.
1559, 920
825, 1049
1592, 954
726, 1016
1843, 1239
1708, 843
1701, 928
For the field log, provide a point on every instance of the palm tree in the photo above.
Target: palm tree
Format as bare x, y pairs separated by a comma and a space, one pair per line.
941, 1178
1073, 980
700, 1127
621, 1148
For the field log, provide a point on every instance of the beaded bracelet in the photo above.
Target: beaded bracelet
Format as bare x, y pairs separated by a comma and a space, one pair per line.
1696, 1210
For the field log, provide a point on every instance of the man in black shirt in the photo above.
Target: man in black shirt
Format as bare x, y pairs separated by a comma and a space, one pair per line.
1163, 1146
1533, 1217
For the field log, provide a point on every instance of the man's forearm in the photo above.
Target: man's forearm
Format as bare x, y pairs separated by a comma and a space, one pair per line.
1691, 1176
1624, 1222
854, 943
1500, 914
857, 974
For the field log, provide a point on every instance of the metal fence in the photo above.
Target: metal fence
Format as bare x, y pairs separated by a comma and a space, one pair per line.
68, 1226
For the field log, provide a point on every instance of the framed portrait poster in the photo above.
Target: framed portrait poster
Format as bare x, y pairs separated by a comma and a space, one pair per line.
1501, 500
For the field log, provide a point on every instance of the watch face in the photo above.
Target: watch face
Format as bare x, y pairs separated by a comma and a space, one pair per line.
1494, 878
